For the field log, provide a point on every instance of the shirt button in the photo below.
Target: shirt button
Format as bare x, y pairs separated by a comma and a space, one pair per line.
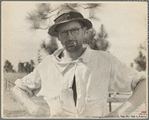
70, 87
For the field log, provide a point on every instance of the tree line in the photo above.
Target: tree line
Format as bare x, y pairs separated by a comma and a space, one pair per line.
26, 67
40, 18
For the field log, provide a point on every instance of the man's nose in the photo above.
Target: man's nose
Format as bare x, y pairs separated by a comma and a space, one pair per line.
70, 36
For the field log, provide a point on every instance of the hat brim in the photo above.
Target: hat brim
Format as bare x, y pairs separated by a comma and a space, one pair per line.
52, 29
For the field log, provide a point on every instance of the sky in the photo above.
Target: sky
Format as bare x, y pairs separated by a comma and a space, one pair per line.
125, 23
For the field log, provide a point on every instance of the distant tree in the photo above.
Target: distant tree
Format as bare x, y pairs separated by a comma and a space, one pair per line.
21, 67
8, 67
97, 41
32, 65
39, 59
26, 66
140, 61
51, 46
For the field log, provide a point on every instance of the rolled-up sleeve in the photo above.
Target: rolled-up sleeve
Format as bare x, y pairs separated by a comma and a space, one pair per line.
123, 78
30, 83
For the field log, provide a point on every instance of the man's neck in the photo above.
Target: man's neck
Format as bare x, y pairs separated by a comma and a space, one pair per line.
74, 55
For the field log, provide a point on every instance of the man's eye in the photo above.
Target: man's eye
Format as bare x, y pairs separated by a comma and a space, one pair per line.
74, 30
64, 32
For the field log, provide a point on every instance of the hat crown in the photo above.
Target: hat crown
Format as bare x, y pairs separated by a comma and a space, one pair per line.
67, 13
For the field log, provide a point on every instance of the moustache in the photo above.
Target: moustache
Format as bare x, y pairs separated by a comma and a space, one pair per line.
71, 43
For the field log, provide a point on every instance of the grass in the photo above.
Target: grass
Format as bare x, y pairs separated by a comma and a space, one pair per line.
9, 105
10, 108
9, 79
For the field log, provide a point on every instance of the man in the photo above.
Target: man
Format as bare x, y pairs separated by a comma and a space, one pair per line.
74, 81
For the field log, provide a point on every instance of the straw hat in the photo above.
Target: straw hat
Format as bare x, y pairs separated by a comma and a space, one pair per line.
65, 15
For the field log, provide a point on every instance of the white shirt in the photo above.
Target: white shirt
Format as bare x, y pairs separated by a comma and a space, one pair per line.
95, 72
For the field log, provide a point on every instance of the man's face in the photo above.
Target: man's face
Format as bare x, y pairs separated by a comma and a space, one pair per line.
71, 35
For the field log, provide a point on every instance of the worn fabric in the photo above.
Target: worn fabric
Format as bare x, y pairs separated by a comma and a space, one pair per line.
95, 72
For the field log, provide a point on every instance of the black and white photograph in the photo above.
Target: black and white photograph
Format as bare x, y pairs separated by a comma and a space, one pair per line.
74, 59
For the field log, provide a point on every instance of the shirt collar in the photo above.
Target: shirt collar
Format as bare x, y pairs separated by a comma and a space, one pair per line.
84, 57
63, 66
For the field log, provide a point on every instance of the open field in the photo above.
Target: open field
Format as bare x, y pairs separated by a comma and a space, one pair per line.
11, 109
9, 79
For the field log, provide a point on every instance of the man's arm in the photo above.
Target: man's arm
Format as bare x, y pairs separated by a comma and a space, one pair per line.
23, 97
24, 90
138, 97
126, 79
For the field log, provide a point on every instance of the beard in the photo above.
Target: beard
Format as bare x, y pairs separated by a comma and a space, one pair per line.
72, 46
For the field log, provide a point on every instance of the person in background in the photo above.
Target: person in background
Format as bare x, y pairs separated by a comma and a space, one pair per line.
74, 80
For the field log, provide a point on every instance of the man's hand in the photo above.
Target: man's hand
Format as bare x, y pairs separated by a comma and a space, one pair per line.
138, 97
